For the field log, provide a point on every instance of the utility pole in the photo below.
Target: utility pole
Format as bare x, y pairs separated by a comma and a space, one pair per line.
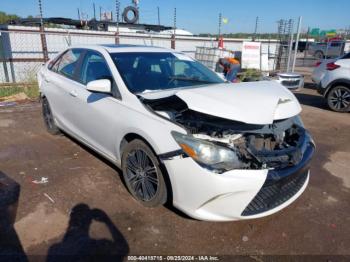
296, 43
79, 14
94, 10
117, 8
100, 13
291, 28
42, 33
41, 13
256, 28
158, 16
220, 21
174, 34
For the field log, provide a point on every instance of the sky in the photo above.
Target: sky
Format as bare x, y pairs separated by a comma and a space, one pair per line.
201, 16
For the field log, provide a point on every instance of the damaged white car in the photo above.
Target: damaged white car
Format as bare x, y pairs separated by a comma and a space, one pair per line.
217, 151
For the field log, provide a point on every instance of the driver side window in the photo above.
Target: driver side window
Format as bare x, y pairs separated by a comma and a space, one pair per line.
95, 67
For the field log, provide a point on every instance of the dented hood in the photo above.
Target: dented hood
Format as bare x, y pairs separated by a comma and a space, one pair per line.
252, 102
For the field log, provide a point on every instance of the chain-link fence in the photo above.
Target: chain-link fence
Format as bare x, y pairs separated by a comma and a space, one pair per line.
24, 49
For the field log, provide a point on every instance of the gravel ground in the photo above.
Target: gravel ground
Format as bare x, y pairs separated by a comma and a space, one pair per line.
105, 216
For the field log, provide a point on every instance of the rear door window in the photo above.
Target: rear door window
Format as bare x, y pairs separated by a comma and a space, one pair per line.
346, 56
335, 44
66, 65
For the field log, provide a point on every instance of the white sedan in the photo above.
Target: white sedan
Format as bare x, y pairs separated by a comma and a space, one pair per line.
215, 150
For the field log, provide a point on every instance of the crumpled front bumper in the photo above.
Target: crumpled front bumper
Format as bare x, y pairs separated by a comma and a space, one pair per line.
236, 194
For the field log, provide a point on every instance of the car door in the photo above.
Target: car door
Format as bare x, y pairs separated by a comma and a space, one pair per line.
60, 85
96, 115
334, 49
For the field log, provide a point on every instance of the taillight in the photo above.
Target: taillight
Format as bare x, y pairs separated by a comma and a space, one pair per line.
332, 66
318, 63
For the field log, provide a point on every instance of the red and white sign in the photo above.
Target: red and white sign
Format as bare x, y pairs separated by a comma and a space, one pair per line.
251, 55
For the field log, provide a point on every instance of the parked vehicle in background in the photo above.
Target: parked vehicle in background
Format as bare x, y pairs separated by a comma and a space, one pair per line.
320, 70
292, 81
333, 78
218, 151
302, 45
330, 49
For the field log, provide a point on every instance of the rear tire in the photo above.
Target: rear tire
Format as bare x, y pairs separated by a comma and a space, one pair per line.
319, 55
339, 99
143, 175
48, 118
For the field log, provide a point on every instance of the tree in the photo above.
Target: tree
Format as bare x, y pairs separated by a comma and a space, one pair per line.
4, 18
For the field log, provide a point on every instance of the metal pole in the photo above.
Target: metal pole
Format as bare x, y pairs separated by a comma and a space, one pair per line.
158, 15
220, 19
42, 33
174, 34
117, 7
256, 27
41, 13
296, 43
290, 44
306, 45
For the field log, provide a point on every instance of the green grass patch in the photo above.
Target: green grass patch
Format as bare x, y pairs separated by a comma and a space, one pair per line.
31, 90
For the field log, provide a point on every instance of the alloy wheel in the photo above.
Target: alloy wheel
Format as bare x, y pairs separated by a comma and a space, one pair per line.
339, 99
142, 175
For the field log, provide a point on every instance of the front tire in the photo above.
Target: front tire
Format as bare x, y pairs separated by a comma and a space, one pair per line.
48, 118
142, 174
339, 99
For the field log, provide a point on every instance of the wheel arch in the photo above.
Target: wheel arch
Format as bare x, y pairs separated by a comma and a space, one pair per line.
338, 82
127, 138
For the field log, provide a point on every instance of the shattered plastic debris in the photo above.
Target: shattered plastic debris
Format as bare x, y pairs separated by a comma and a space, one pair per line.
50, 198
43, 180
6, 104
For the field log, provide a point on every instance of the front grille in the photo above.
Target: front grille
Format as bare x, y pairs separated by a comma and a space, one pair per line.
291, 83
275, 193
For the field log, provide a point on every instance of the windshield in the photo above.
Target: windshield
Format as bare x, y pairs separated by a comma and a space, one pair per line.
144, 72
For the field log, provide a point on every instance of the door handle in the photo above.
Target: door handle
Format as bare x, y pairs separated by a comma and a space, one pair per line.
46, 79
73, 93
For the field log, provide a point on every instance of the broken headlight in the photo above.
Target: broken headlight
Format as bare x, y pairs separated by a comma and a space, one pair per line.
208, 154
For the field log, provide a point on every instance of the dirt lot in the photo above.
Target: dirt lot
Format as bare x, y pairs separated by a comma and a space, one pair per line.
317, 223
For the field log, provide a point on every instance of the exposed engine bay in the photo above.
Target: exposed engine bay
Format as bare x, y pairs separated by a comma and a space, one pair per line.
273, 146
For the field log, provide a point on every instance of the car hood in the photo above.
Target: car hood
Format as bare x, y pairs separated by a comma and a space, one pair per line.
252, 102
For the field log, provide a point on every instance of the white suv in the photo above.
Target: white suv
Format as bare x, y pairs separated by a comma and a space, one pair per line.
333, 79
217, 151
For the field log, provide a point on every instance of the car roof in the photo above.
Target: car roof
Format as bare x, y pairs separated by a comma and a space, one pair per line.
125, 48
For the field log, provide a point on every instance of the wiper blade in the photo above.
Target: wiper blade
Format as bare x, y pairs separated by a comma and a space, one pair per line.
191, 79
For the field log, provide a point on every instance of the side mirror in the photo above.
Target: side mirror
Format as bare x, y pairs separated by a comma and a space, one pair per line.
101, 86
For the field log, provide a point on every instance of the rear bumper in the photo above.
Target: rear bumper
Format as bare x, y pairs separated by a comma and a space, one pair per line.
320, 89
236, 194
